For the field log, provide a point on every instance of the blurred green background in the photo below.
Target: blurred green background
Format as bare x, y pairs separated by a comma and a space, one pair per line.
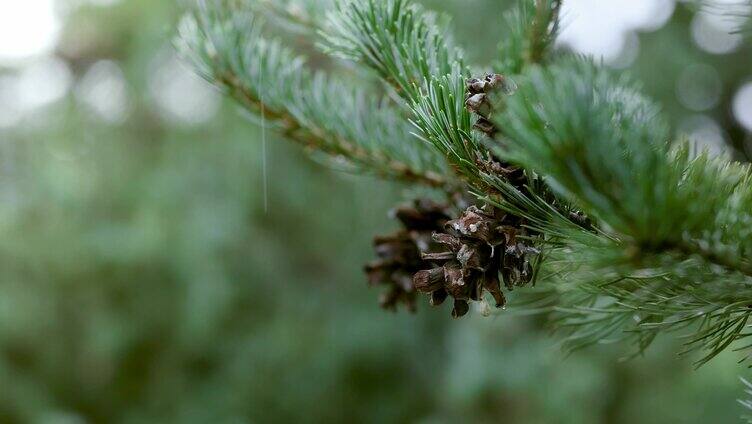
145, 277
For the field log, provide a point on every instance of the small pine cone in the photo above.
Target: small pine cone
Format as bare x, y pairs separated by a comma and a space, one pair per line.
480, 99
460, 258
478, 247
400, 254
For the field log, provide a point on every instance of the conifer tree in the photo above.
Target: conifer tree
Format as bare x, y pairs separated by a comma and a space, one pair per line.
550, 175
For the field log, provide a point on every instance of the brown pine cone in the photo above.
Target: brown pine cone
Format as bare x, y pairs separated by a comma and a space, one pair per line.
477, 248
480, 99
399, 254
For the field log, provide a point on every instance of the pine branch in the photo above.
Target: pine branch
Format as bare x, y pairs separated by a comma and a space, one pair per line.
403, 44
404, 47
443, 121
224, 43
639, 236
674, 250
631, 178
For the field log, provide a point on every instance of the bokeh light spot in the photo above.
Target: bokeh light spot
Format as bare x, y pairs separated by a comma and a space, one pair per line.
616, 40
742, 106
699, 87
180, 95
28, 28
103, 90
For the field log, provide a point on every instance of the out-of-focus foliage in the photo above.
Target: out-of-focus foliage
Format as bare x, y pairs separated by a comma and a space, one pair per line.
144, 280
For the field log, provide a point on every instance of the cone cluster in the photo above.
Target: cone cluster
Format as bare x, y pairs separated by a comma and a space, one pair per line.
477, 251
459, 259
